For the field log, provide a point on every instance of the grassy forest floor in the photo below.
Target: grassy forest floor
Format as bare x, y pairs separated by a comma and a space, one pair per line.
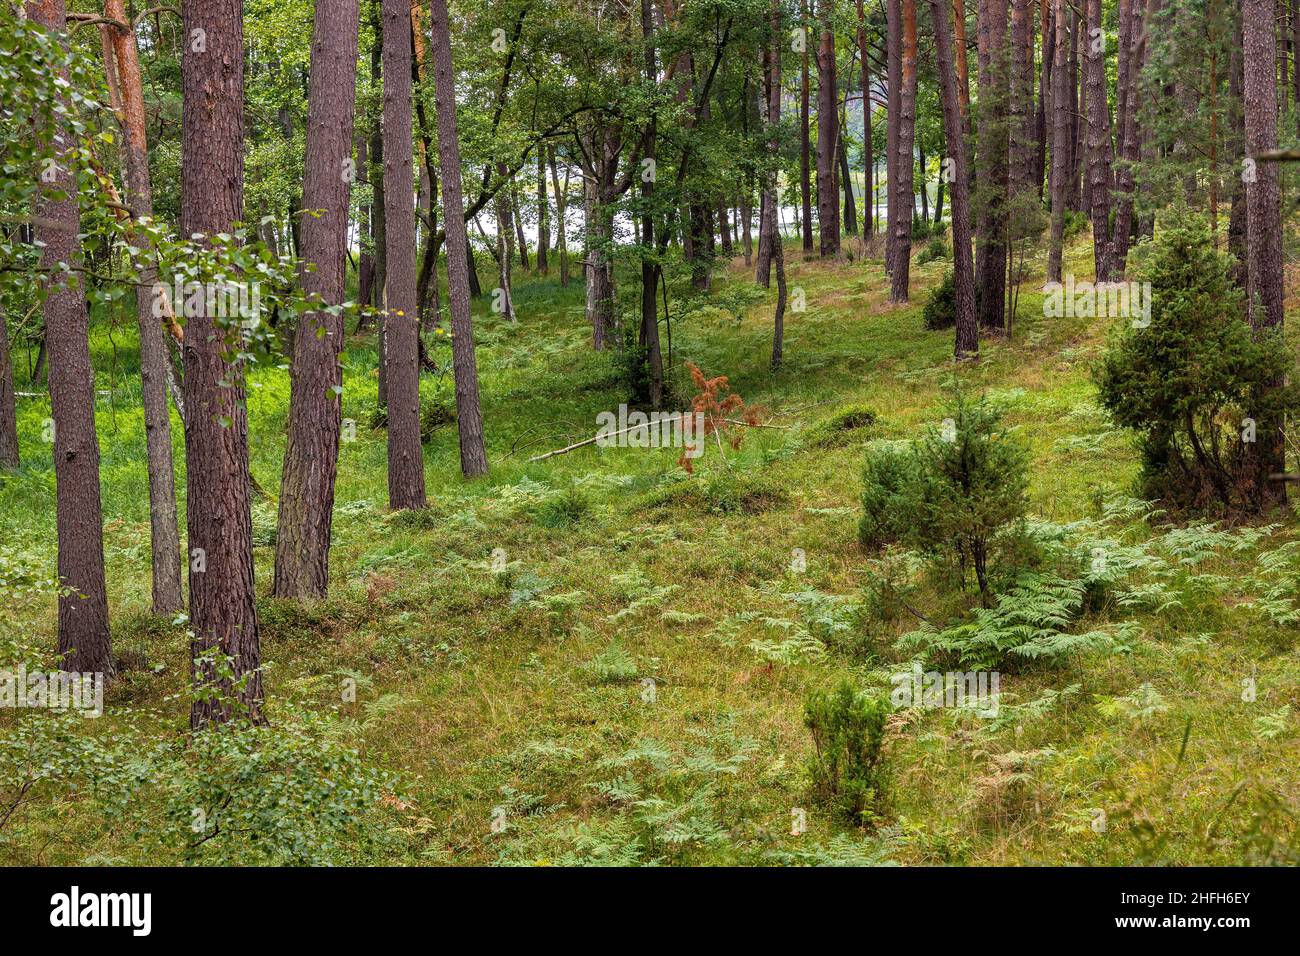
522, 689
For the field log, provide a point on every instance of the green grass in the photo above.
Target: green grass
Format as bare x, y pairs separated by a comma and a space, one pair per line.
630, 687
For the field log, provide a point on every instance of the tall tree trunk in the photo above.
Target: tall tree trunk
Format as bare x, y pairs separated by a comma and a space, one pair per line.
1080, 200
8, 405
401, 348
828, 128
992, 169
1130, 51
1099, 143
768, 232
154, 359
922, 187
1047, 32
311, 451
223, 613
902, 226
469, 418
1263, 197
504, 293
561, 226
894, 79
868, 154
846, 174
776, 249
379, 212
649, 335
543, 215
84, 642
365, 262
963, 68
967, 345
1237, 143
1062, 107
1295, 55
1263, 214
1021, 100
805, 144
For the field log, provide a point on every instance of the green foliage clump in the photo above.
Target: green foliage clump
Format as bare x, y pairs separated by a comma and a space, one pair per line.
435, 413
613, 665
1202, 391
846, 771
936, 248
565, 509
1076, 223
949, 493
1032, 621
289, 793
941, 308
839, 428
889, 488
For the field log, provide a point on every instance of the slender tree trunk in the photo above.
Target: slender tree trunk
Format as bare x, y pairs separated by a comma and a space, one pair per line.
517, 217
1099, 144
805, 173
1131, 59
963, 270
963, 69
1062, 104
1021, 101
776, 249
922, 187
543, 215
649, 336
561, 226
868, 154
401, 320
469, 418
1263, 215
8, 404
828, 128
1047, 32
223, 613
1080, 200
767, 194
894, 78
84, 642
154, 359
311, 453
1263, 197
1295, 54
902, 226
850, 207
504, 292
1237, 132
992, 168
365, 262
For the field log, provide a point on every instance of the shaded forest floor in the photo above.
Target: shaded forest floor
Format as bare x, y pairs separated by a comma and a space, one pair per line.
522, 690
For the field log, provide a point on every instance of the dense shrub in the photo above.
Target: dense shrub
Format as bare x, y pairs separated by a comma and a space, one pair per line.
950, 493
847, 728
889, 484
936, 248
941, 308
1194, 380
435, 413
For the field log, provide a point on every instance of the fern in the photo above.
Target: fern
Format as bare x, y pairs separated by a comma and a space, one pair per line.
1031, 620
